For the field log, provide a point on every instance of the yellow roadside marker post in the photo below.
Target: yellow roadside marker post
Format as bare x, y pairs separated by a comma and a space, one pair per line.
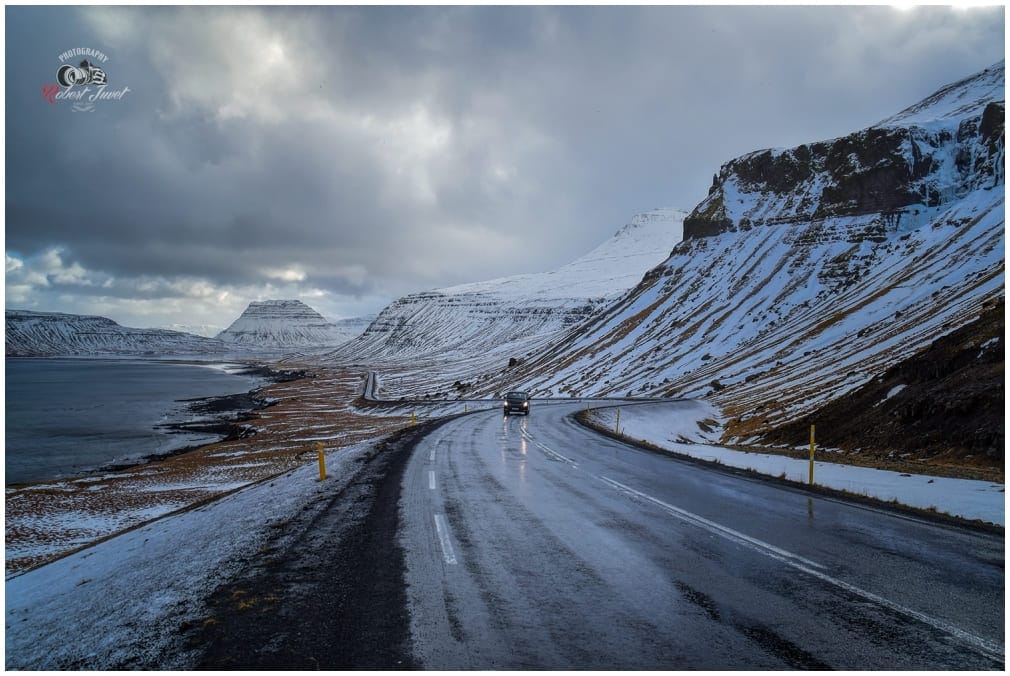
617, 425
811, 455
322, 461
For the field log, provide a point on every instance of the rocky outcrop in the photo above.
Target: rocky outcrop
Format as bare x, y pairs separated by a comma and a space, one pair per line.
930, 155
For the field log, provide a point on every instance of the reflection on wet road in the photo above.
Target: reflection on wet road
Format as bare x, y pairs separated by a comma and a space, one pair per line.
534, 543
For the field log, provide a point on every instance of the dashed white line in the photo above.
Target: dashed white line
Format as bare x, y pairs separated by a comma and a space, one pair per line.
550, 452
431, 456
431, 479
443, 537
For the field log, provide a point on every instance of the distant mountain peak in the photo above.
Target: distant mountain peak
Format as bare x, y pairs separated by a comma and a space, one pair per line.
280, 324
283, 305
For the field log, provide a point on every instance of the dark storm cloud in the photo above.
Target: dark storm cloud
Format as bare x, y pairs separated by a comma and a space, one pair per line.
358, 153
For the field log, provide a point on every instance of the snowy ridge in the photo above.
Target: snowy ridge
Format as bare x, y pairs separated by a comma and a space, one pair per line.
794, 288
926, 157
500, 318
49, 334
280, 324
962, 99
614, 266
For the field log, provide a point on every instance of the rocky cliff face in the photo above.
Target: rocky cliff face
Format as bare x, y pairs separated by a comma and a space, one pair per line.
54, 334
931, 154
281, 324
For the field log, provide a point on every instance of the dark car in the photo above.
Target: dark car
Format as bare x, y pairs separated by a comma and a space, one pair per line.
517, 402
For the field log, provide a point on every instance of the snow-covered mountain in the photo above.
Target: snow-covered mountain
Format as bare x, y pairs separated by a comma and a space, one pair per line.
285, 324
460, 328
809, 271
352, 327
804, 274
206, 330
51, 334
266, 327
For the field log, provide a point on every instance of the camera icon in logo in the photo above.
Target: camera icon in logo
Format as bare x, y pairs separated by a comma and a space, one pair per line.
70, 76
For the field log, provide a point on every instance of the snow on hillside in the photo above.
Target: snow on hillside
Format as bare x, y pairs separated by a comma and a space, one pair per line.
284, 324
807, 272
50, 334
270, 326
460, 330
605, 272
799, 299
963, 99
205, 330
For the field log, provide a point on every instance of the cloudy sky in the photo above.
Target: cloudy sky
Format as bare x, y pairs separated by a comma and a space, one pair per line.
350, 155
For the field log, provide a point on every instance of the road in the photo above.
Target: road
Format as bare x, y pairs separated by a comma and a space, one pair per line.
531, 542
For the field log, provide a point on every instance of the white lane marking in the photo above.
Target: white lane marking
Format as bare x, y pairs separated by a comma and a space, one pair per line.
716, 528
984, 646
431, 456
431, 479
443, 538
550, 452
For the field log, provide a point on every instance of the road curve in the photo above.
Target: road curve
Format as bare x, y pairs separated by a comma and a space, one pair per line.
531, 542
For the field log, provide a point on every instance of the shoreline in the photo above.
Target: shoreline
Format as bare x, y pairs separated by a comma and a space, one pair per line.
312, 406
225, 414
218, 418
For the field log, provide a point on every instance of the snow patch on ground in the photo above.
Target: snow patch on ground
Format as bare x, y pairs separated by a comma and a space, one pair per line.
132, 594
894, 390
680, 427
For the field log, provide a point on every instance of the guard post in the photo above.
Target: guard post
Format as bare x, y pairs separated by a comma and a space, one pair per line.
322, 461
811, 480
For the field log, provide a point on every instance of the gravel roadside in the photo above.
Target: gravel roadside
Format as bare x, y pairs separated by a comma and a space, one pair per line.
328, 590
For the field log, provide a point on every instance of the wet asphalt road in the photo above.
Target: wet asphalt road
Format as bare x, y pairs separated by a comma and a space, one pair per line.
535, 543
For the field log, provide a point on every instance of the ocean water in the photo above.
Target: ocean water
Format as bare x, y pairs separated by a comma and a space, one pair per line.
69, 416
